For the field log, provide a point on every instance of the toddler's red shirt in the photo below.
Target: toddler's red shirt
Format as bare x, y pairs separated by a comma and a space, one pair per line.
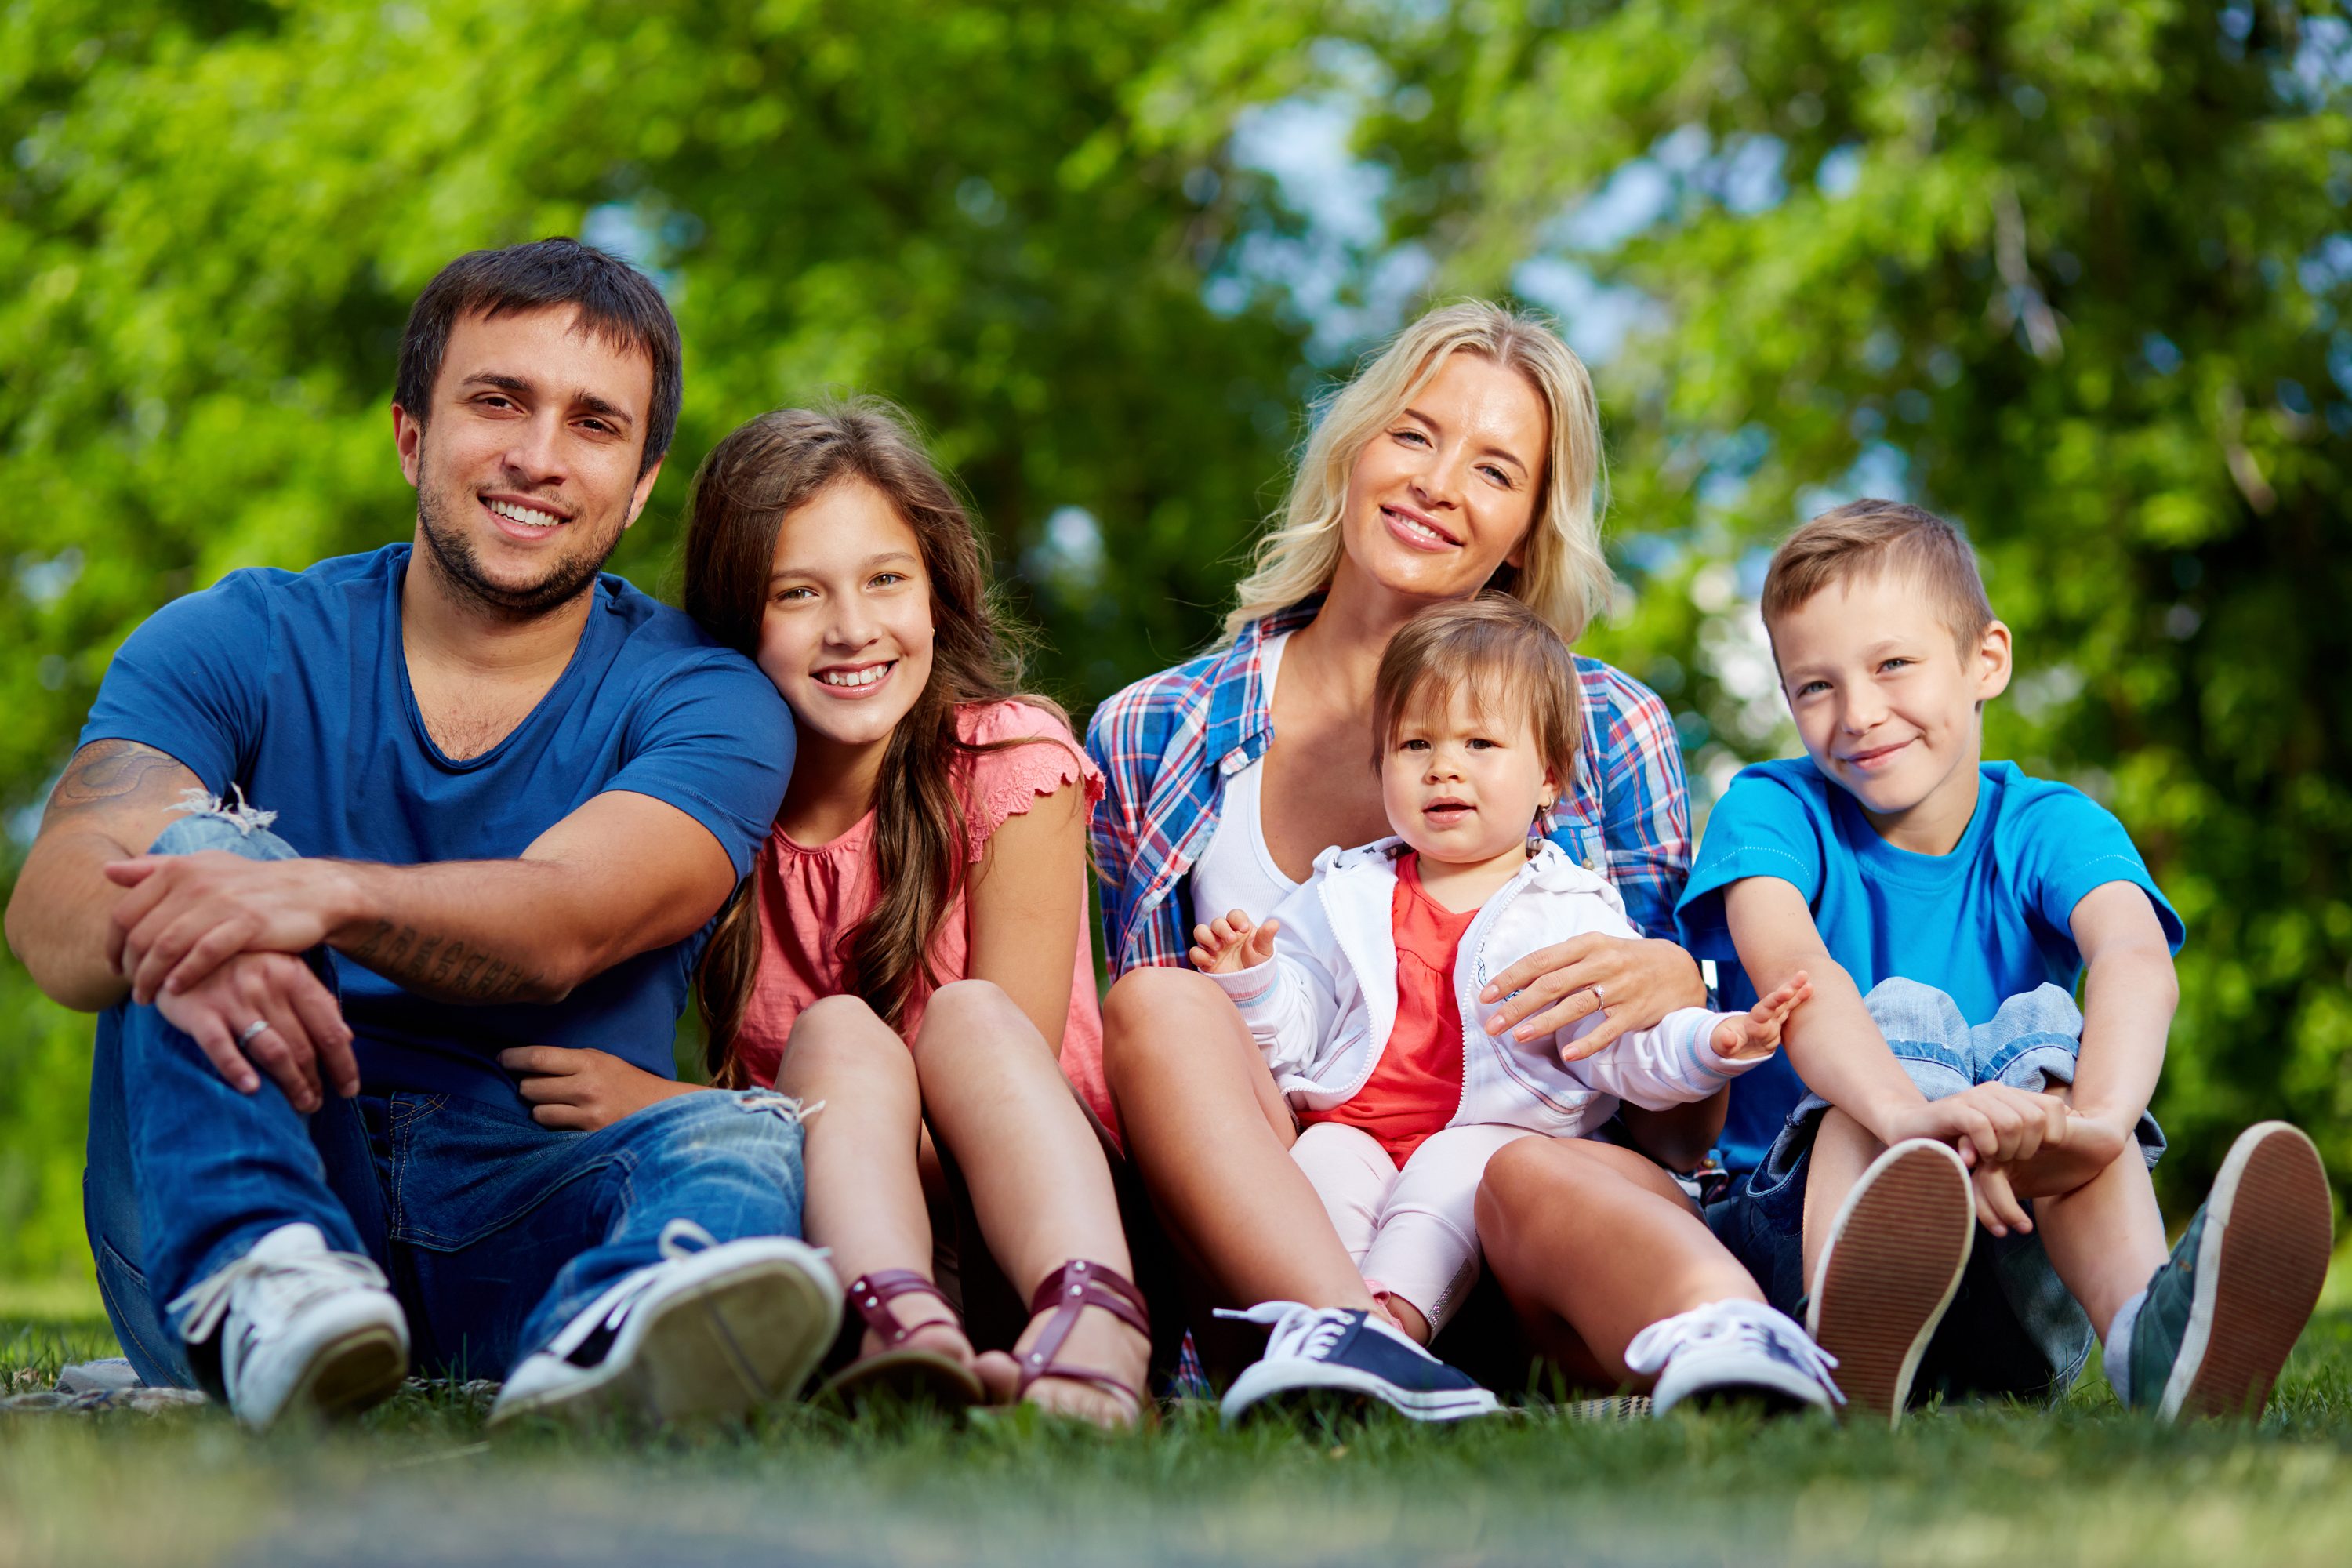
1416, 1087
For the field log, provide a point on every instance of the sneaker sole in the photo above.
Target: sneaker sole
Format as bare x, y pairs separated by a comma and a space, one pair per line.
2260, 1266
1894, 1258
724, 1346
350, 1375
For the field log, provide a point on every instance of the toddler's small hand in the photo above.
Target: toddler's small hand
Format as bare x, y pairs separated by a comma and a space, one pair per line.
1757, 1033
1232, 942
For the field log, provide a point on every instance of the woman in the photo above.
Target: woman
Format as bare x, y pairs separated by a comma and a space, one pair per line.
1465, 456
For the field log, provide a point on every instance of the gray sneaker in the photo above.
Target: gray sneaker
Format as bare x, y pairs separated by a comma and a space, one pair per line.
2225, 1310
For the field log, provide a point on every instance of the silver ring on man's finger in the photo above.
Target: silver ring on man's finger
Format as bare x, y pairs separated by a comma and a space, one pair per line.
251, 1030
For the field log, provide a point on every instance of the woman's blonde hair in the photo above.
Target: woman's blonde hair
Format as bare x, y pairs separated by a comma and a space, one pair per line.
1565, 578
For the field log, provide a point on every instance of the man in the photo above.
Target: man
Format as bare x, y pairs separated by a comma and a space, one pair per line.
509, 795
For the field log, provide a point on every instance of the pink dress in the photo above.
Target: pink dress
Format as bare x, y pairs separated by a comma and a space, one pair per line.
811, 898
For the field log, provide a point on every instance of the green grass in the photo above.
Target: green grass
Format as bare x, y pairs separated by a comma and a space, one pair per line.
418, 1482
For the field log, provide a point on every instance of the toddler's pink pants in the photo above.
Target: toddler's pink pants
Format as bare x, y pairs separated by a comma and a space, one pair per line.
1413, 1232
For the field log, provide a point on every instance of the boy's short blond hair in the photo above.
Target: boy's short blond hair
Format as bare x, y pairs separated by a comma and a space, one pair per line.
1866, 539
1505, 655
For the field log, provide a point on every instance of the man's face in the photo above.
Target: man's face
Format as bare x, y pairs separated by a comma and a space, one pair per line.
526, 463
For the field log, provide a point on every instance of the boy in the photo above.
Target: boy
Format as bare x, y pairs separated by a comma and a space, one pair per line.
1946, 908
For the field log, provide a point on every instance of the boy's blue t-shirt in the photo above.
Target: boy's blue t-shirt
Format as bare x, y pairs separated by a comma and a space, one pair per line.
294, 688
1988, 922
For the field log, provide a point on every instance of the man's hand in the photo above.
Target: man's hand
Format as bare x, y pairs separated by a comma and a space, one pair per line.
583, 1091
1639, 981
1231, 944
305, 1032
183, 915
1756, 1034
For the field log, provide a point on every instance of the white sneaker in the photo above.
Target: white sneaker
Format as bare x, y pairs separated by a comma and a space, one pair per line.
1730, 1350
300, 1328
1893, 1257
715, 1329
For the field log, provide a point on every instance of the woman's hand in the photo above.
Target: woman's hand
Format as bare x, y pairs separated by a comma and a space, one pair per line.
1639, 981
583, 1090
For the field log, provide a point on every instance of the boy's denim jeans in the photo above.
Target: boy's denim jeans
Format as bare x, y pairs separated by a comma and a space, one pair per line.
494, 1231
2012, 1328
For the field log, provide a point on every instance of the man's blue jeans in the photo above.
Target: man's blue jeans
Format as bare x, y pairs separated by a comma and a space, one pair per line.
494, 1231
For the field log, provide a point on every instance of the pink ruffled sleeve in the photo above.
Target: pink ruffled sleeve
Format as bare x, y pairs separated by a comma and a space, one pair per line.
1007, 783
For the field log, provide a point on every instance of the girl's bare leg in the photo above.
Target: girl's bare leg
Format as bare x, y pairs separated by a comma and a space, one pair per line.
1843, 1151
1212, 1136
1593, 1243
865, 1191
2105, 1238
997, 1101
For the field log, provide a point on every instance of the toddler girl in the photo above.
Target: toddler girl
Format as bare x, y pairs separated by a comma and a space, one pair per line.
1366, 1006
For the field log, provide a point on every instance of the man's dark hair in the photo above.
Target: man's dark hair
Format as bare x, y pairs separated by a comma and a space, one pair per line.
616, 301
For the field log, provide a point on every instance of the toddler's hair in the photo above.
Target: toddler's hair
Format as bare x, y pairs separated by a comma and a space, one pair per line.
1506, 656
1866, 539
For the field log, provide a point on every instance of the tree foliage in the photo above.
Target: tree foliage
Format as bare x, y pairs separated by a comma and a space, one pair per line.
2070, 273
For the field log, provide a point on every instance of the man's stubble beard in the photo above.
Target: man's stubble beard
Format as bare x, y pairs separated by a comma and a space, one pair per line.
453, 553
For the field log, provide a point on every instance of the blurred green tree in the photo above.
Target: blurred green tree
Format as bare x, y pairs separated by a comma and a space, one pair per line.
2070, 273
215, 216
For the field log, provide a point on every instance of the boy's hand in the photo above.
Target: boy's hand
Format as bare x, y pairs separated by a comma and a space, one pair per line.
1991, 1124
1757, 1033
1997, 1209
1231, 944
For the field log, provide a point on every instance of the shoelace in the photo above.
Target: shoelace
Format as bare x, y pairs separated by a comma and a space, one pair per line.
678, 1234
286, 1283
1747, 1323
1299, 1330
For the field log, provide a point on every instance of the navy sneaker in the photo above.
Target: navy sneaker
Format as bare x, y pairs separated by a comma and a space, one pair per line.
1734, 1350
1330, 1351
2223, 1313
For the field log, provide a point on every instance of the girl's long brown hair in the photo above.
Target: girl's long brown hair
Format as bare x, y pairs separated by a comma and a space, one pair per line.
745, 488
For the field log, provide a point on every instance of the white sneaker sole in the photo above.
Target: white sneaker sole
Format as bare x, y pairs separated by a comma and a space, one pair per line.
1893, 1260
2261, 1261
744, 1332
1260, 1382
353, 1371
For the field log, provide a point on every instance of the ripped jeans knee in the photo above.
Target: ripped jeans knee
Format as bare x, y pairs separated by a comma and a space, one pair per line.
234, 826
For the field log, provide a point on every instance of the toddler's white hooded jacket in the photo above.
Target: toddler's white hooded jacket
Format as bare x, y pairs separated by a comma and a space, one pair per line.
1322, 1008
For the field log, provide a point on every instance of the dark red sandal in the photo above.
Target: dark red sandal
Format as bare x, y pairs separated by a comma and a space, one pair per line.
1069, 1291
909, 1374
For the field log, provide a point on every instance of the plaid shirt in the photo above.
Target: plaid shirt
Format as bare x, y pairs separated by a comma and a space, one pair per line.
1168, 743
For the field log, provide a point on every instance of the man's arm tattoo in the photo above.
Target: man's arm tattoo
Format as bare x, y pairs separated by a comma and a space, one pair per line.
110, 775
441, 966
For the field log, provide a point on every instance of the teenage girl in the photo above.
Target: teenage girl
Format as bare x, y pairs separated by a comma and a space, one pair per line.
909, 956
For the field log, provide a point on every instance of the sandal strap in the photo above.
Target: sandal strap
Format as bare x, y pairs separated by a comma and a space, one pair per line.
1069, 1291
870, 1296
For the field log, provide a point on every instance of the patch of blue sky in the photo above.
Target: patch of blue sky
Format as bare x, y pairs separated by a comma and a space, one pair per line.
1595, 317
1880, 469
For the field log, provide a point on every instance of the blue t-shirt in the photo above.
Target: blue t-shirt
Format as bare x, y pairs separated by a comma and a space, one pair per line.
1988, 922
294, 686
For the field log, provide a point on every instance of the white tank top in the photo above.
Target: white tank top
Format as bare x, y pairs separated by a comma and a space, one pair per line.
1236, 872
